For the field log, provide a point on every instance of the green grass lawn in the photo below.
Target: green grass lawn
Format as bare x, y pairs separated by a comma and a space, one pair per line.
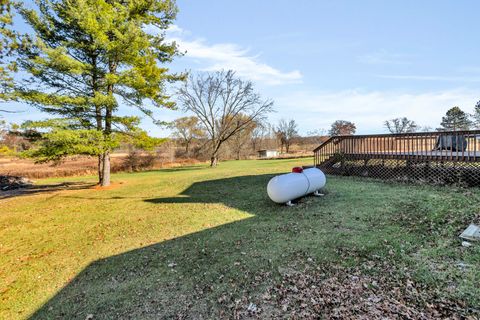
201, 241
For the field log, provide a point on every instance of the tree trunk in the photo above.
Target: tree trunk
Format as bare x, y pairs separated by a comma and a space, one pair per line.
100, 169
213, 161
214, 158
106, 153
108, 129
105, 169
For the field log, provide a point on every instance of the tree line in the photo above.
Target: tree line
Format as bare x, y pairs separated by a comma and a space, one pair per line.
455, 119
81, 60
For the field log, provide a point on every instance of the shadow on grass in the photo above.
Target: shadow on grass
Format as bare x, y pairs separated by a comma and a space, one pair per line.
215, 271
45, 188
179, 169
186, 275
203, 274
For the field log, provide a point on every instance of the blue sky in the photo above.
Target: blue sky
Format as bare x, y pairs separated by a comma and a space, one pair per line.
363, 61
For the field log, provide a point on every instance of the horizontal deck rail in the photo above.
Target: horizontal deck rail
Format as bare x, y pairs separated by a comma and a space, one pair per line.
381, 155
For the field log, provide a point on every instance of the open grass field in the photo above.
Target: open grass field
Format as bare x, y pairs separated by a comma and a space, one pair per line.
196, 242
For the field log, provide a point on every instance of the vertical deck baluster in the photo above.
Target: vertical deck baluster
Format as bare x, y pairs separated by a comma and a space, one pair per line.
475, 148
427, 140
409, 145
416, 145
423, 146
456, 147
431, 147
384, 148
350, 146
363, 146
377, 145
451, 151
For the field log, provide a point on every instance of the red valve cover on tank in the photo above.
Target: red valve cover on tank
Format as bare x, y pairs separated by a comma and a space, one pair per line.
297, 169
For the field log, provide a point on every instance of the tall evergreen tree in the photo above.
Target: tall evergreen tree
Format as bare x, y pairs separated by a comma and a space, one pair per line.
476, 115
86, 57
8, 44
455, 119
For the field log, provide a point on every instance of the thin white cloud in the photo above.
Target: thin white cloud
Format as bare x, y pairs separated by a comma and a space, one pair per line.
469, 69
212, 57
369, 110
174, 29
430, 78
385, 57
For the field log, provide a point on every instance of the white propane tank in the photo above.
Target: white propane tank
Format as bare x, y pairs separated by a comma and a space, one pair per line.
290, 186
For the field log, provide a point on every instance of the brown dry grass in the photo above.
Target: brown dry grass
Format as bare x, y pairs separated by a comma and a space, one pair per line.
76, 166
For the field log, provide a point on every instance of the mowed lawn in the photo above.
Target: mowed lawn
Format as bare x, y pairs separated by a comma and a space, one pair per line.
197, 242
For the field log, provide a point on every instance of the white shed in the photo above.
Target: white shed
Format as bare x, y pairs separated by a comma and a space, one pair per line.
267, 153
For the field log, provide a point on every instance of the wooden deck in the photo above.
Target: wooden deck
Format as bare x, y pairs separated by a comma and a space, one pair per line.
411, 156
420, 155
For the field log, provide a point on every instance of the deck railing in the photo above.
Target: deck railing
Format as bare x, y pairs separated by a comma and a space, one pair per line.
406, 149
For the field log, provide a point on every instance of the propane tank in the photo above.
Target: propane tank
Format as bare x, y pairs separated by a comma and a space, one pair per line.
298, 183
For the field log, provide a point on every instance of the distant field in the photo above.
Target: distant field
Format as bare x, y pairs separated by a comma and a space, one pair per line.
196, 242
75, 166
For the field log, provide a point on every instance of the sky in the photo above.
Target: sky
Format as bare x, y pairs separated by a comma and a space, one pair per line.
320, 61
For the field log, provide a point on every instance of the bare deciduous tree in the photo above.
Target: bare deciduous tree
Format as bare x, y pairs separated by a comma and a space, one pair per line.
285, 132
187, 129
258, 134
239, 141
224, 103
318, 135
401, 125
342, 128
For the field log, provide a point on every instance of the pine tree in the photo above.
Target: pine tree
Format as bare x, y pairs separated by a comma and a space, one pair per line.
455, 119
86, 57
8, 44
476, 115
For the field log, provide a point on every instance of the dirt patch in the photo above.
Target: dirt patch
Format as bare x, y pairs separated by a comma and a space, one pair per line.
113, 185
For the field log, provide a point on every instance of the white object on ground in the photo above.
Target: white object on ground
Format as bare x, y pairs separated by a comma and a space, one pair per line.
472, 233
287, 187
252, 307
466, 244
